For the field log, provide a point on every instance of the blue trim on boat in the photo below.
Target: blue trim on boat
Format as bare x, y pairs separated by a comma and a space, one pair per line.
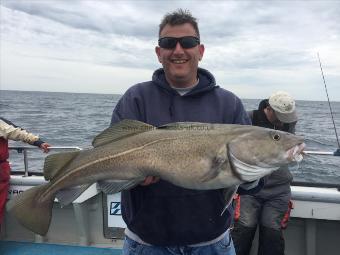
28, 248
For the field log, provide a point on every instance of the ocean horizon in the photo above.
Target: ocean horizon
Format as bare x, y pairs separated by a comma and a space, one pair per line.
114, 94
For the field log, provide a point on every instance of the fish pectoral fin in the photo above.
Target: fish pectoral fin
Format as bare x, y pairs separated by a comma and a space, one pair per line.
215, 164
68, 195
211, 174
55, 162
115, 186
121, 130
228, 195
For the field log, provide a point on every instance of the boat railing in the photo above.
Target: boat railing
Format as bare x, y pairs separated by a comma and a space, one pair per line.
316, 184
25, 149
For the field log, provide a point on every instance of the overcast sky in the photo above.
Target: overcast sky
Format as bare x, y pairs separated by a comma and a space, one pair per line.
252, 47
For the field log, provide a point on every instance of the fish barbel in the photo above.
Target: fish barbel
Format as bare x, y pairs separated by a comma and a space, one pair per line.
190, 155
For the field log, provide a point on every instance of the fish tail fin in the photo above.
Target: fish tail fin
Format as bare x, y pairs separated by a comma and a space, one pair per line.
32, 212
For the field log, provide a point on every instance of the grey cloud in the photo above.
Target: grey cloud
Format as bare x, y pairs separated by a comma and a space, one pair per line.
76, 14
53, 11
277, 60
262, 59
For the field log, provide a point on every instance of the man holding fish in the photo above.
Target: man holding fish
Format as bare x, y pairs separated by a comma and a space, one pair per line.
163, 218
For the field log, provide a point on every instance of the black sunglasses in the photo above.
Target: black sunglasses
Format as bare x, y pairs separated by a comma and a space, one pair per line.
186, 42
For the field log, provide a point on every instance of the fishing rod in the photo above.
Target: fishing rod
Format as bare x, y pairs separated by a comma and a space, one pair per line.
337, 152
330, 153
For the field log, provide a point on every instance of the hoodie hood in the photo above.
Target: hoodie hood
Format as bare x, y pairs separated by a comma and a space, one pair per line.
206, 82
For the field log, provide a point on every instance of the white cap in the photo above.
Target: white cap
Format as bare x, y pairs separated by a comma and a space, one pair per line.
284, 106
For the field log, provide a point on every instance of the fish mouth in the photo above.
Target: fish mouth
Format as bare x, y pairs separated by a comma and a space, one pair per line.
294, 154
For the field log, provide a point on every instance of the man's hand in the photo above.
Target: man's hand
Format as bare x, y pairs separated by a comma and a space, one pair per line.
44, 147
150, 180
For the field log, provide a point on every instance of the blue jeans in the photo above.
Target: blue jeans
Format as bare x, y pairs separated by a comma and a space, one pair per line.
222, 247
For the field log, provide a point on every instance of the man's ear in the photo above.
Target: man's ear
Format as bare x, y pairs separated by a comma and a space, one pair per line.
158, 53
201, 50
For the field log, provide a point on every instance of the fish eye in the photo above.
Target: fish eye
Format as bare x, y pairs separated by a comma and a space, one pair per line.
276, 137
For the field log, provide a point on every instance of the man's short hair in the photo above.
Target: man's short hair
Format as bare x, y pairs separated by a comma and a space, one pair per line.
179, 17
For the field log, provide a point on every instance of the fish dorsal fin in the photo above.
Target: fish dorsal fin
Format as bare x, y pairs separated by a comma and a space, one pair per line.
121, 130
184, 125
57, 162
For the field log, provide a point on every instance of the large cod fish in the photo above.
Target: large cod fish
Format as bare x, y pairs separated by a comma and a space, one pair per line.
190, 155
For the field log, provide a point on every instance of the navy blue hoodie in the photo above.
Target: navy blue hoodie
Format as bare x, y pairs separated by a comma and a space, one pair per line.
161, 213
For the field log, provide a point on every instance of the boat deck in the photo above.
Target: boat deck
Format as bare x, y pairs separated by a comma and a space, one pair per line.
29, 248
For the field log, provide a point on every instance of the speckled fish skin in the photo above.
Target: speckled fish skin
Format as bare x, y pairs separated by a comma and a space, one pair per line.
188, 156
